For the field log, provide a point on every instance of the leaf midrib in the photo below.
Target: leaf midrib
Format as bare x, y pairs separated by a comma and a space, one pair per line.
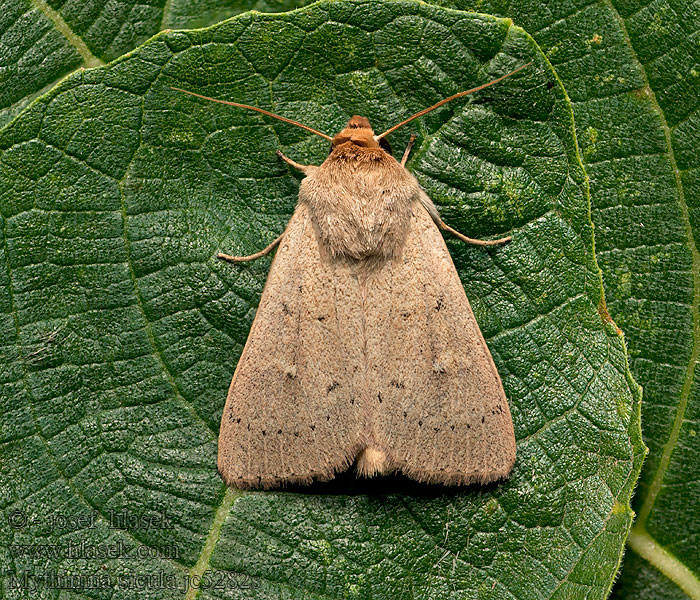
644, 545
89, 59
212, 538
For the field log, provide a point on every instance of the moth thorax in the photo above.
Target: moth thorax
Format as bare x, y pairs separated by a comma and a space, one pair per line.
361, 204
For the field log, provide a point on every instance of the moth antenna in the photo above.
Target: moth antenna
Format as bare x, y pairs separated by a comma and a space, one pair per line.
255, 108
446, 100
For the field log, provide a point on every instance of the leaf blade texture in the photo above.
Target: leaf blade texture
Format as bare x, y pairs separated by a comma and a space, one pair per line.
123, 330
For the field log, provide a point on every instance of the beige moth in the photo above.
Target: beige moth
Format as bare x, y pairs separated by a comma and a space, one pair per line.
364, 348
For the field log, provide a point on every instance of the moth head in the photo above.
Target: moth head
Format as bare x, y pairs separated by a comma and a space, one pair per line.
359, 132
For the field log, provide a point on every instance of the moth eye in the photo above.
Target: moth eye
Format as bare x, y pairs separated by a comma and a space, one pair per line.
330, 149
385, 145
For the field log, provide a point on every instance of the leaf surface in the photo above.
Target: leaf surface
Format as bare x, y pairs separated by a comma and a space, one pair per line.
121, 330
43, 40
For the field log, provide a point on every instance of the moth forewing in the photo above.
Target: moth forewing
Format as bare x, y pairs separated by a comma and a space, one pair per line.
444, 412
292, 412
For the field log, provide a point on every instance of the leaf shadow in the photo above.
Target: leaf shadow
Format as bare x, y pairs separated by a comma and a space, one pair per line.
348, 483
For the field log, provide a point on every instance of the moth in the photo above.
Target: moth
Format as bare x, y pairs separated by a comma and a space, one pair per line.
364, 347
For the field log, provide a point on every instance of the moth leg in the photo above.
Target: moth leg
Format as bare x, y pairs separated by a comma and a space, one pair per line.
306, 169
263, 252
407, 151
445, 227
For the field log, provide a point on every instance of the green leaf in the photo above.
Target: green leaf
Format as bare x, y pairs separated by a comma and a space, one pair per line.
631, 71
121, 330
34, 54
43, 40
